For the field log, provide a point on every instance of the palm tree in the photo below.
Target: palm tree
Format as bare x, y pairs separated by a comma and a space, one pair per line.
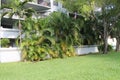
66, 31
16, 8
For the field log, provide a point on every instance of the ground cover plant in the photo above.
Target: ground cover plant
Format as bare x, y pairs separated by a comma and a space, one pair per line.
87, 67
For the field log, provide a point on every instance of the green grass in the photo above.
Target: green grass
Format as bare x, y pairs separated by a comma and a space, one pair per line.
88, 67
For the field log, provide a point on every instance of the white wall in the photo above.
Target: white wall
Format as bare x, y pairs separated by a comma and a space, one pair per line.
10, 55
86, 49
14, 54
112, 42
56, 8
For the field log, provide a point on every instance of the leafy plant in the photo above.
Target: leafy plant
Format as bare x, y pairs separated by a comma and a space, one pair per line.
38, 39
54, 35
66, 33
5, 42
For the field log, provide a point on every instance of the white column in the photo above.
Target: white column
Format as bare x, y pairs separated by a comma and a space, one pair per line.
51, 3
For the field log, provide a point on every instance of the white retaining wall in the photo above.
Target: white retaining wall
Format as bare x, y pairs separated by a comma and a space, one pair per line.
10, 55
86, 49
14, 54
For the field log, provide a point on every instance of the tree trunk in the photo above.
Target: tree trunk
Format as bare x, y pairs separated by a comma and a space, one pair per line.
105, 29
105, 45
19, 25
105, 37
118, 44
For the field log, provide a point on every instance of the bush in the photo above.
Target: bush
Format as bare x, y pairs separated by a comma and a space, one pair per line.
5, 42
54, 35
101, 48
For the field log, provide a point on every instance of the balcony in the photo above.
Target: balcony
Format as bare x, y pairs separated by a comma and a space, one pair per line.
44, 2
39, 5
8, 33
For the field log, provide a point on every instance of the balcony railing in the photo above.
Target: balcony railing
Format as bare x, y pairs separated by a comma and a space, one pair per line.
44, 2
9, 33
38, 5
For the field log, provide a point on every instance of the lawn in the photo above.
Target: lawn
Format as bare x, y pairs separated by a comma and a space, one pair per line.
88, 67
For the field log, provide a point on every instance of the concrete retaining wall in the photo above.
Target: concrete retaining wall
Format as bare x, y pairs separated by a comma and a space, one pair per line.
10, 55
86, 49
14, 54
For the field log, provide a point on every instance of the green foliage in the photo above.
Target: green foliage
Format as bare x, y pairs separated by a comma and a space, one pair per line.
37, 40
106, 18
16, 7
101, 48
83, 7
102, 21
65, 28
89, 35
66, 33
5, 42
54, 36
116, 33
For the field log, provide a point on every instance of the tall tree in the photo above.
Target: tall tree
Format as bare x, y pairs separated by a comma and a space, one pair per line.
107, 18
82, 7
116, 33
116, 30
118, 37
103, 12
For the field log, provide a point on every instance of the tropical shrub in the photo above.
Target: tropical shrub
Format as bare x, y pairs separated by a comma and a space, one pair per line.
66, 33
55, 35
37, 39
89, 35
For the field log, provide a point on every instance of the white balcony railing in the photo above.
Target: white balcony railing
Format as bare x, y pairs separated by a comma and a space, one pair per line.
44, 2
36, 7
8, 33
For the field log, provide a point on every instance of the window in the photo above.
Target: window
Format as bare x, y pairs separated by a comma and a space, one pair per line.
7, 26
